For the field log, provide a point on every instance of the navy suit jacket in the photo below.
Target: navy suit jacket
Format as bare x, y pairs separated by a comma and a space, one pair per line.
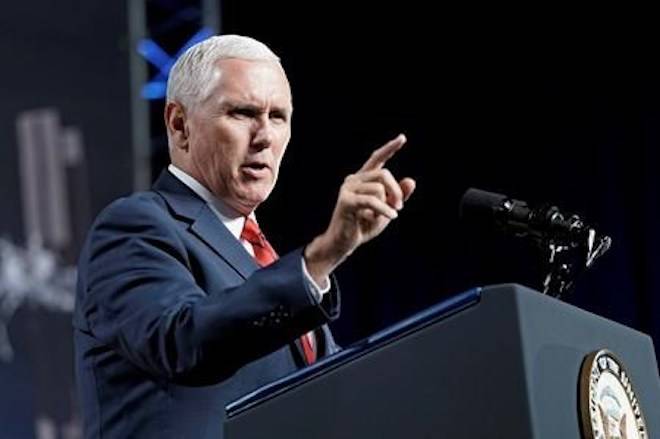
174, 319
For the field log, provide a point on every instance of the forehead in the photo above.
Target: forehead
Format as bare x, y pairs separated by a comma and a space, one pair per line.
254, 81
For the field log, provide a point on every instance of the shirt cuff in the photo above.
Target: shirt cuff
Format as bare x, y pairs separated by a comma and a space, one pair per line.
317, 291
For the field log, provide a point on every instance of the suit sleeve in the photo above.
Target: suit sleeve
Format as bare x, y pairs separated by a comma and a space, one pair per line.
139, 296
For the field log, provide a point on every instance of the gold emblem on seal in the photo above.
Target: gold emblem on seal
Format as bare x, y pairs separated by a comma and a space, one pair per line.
608, 404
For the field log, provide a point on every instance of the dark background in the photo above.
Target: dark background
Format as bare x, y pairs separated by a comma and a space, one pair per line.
559, 108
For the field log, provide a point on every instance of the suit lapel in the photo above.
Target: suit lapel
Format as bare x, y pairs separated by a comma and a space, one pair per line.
210, 229
204, 224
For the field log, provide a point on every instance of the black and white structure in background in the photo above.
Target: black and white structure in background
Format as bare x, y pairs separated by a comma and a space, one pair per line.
47, 167
37, 277
54, 194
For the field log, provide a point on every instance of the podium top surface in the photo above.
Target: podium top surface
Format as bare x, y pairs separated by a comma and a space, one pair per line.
388, 335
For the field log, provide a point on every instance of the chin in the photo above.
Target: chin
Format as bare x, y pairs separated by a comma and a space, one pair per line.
258, 192
252, 199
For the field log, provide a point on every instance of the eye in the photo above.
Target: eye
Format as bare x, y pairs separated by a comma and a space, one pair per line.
278, 116
242, 112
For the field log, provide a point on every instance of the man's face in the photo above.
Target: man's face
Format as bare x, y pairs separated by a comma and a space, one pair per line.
238, 134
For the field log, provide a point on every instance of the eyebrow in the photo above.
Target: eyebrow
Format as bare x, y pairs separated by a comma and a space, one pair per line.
228, 104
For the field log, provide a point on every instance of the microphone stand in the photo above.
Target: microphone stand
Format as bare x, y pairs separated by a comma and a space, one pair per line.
570, 254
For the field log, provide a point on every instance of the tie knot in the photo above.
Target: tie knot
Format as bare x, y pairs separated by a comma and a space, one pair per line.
252, 233
264, 254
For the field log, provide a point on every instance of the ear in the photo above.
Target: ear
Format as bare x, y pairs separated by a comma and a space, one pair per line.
177, 128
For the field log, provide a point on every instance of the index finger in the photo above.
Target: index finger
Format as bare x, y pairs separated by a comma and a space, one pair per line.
380, 156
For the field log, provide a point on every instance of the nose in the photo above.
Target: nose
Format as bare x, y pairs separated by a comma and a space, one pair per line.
263, 135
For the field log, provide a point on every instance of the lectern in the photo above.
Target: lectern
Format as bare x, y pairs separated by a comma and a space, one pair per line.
495, 362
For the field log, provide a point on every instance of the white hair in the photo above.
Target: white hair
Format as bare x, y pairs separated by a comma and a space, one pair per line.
193, 75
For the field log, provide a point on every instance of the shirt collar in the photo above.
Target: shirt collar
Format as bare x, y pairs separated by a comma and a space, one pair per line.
232, 219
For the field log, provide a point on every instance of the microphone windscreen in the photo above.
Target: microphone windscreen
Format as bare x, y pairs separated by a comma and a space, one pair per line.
478, 207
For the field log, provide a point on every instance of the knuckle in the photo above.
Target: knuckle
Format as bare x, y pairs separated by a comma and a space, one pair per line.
344, 192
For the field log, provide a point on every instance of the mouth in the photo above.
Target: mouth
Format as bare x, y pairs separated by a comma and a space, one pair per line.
256, 169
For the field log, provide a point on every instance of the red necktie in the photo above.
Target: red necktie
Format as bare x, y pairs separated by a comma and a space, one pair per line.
265, 255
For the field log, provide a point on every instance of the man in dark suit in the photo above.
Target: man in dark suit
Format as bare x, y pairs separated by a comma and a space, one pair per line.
182, 305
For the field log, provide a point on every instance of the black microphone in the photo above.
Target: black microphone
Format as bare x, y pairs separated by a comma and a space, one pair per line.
486, 210
571, 246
